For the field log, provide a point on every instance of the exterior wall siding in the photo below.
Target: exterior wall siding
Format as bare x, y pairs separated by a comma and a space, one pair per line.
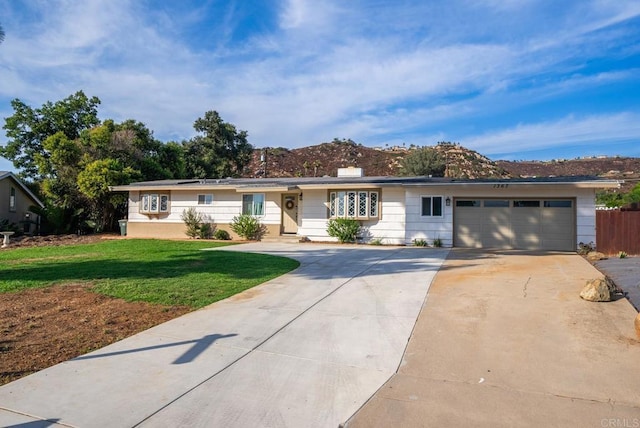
225, 206
428, 228
314, 215
22, 204
586, 216
389, 228
400, 211
173, 230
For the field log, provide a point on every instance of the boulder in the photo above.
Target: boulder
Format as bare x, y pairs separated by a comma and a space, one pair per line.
598, 290
637, 323
595, 255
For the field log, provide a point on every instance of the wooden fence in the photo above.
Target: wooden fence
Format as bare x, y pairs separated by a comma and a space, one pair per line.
618, 231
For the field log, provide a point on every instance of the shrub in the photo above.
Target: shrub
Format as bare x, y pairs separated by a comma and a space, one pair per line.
248, 227
420, 243
193, 220
437, 242
622, 255
206, 230
345, 229
376, 241
222, 235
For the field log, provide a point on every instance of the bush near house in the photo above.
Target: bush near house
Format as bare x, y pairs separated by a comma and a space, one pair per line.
197, 226
221, 235
248, 227
345, 229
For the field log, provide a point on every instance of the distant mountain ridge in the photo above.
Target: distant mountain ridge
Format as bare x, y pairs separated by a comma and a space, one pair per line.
326, 158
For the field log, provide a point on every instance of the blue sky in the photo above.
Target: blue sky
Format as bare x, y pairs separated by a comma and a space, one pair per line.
512, 79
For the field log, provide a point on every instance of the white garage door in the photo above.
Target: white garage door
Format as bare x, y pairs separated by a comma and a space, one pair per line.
529, 224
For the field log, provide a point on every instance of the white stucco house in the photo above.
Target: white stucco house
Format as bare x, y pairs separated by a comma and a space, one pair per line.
546, 213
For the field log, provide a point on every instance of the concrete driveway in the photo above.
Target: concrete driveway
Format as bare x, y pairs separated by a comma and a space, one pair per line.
304, 350
505, 340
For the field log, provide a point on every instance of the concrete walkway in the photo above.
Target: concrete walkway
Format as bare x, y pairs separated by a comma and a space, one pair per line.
505, 340
304, 350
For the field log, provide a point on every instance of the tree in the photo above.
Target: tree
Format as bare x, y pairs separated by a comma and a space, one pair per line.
27, 129
616, 199
633, 196
74, 158
424, 161
93, 183
219, 151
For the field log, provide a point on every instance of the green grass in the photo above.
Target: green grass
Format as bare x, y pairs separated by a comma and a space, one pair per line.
155, 271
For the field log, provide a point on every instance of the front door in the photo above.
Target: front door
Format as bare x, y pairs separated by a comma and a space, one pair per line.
290, 213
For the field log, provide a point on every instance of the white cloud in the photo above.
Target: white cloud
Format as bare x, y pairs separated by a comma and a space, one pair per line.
594, 130
365, 70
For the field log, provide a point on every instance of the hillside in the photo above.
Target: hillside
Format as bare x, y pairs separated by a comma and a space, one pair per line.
619, 168
326, 158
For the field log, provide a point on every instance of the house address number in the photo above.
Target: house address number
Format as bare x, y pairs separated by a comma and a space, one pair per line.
500, 186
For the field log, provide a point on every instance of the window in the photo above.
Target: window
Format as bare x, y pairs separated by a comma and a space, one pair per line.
373, 206
431, 206
205, 199
353, 204
467, 203
154, 203
557, 204
496, 203
526, 204
12, 199
253, 204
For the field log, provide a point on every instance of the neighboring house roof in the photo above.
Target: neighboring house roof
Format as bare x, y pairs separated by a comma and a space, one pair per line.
292, 183
25, 189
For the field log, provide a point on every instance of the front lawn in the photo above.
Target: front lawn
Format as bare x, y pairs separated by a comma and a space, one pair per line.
148, 270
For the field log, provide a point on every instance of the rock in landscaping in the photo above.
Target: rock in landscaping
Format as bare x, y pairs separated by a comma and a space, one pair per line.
599, 290
595, 255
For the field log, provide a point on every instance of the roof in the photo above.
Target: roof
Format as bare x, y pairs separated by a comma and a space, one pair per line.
25, 189
292, 183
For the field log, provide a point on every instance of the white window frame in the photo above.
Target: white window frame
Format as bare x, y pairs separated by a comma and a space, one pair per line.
253, 210
357, 204
154, 203
432, 197
205, 199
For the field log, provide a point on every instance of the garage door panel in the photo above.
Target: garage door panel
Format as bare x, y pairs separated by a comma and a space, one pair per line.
496, 240
527, 241
525, 224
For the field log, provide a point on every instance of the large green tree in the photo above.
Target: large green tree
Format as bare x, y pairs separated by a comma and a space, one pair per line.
28, 128
424, 161
93, 183
219, 149
73, 158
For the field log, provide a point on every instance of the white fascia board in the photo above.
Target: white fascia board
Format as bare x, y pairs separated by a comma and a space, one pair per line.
603, 184
265, 189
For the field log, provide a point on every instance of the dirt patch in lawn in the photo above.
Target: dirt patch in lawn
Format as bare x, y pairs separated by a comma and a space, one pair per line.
46, 326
